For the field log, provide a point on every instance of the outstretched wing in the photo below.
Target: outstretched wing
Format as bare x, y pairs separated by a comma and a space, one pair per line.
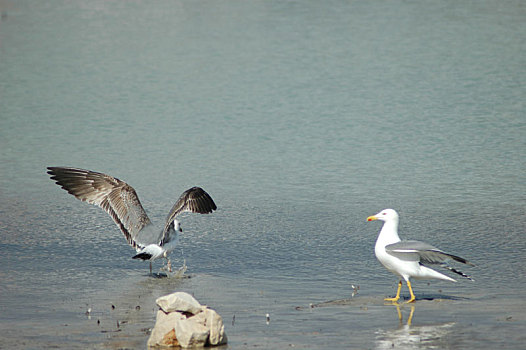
194, 200
116, 197
426, 252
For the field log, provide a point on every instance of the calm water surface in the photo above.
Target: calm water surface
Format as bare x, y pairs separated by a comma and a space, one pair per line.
300, 119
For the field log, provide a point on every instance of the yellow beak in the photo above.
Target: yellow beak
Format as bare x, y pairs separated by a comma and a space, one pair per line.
371, 218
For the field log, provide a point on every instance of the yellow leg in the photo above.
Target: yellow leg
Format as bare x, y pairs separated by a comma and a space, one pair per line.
410, 291
397, 293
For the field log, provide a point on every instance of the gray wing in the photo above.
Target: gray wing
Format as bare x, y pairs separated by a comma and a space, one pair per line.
116, 197
194, 200
426, 252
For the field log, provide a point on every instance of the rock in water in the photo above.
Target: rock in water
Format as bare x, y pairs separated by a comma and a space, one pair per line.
217, 334
191, 332
179, 301
187, 324
163, 334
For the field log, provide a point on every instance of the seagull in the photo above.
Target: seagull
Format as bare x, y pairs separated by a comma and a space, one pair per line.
121, 202
407, 259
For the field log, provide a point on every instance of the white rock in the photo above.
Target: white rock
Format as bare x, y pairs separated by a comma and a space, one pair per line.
190, 332
163, 333
189, 324
179, 301
214, 322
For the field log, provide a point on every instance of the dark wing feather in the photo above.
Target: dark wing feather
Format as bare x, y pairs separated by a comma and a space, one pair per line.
426, 252
194, 200
116, 197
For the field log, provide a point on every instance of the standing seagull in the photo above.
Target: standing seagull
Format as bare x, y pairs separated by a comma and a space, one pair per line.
121, 202
406, 259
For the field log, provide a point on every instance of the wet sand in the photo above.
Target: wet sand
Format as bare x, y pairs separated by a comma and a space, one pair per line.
122, 315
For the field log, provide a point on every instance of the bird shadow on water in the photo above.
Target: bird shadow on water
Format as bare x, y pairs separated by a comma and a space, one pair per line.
362, 301
438, 297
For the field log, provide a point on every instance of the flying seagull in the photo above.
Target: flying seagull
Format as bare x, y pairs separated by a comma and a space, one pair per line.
407, 259
121, 202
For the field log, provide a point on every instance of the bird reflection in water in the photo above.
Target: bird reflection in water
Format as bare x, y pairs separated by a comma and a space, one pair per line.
400, 316
409, 336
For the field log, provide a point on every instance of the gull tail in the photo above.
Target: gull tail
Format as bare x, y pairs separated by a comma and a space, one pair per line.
143, 256
150, 252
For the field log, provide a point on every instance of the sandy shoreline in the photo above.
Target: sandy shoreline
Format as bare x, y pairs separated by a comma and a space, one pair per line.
122, 317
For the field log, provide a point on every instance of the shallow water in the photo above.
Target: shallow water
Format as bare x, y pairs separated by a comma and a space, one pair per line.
300, 119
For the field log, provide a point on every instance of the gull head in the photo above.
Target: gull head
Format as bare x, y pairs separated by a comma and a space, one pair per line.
177, 226
385, 215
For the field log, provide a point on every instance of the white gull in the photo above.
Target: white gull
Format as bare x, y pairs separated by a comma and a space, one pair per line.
407, 259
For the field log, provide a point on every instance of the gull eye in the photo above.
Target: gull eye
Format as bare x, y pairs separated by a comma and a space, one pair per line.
384, 213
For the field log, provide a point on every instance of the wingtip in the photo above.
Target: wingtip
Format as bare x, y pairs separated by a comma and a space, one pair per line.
462, 260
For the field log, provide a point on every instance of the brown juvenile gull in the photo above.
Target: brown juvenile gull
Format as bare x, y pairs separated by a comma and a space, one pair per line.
121, 202
407, 259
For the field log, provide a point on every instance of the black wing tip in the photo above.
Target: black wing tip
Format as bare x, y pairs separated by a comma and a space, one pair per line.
64, 170
207, 204
58, 168
458, 272
61, 174
52, 170
54, 173
461, 260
